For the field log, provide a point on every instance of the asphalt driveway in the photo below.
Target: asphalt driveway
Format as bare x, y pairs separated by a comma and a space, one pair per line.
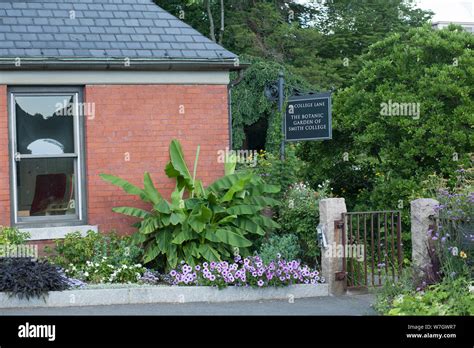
353, 305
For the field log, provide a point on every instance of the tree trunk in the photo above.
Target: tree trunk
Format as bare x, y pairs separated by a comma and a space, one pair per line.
221, 32
211, 21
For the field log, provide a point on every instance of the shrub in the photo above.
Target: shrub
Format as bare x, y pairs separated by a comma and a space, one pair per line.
207, 225
251, 271
78, 250
274, 171
12, 236
285, 246
299, 215
453, 239
103, 271
25, 278
450, 297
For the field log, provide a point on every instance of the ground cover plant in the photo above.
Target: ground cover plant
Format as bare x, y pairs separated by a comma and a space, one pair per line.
248, 272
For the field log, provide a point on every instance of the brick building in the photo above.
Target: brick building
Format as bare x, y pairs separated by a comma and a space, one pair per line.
101, 86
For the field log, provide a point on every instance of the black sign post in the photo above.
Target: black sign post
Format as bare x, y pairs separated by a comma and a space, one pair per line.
309, 117
281, 101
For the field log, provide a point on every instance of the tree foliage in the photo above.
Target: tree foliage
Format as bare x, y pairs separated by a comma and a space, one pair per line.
318, 44
389, 155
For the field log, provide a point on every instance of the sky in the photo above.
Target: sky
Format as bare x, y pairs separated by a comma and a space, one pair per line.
445, 10
449, 10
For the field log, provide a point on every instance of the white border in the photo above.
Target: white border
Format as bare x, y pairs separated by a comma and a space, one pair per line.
50, 233
62, 78
164, 294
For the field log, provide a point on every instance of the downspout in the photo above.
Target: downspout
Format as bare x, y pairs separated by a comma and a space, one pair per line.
231, 85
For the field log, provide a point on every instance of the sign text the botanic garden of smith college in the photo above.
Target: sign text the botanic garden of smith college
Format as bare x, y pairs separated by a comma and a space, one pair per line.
308, 117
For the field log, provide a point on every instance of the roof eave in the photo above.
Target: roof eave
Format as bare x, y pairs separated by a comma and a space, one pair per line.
229, 64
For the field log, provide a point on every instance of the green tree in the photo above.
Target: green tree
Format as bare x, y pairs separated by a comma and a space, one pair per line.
380, 160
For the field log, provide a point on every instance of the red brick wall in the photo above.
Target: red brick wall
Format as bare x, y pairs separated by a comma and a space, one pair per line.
141, 121
4, 159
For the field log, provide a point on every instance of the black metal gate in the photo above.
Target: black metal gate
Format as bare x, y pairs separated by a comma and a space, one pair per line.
372, 247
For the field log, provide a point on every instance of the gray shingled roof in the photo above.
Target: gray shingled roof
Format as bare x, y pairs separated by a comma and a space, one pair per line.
101, 29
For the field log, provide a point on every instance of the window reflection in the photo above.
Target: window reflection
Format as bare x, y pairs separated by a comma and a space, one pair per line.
45, 124
46, 187
49, 146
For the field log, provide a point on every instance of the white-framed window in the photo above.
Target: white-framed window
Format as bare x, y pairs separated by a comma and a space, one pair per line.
47, 171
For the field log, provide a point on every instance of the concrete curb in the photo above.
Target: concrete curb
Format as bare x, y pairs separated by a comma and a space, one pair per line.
163, 294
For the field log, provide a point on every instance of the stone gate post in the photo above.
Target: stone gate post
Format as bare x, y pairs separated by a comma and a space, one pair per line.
422, 212
330, 210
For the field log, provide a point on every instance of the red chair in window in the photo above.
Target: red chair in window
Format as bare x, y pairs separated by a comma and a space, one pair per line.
53, 195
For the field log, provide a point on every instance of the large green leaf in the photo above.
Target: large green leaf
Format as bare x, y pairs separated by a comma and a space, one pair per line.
225, 183
172, 255
149, 225
163, 207
177, 218
262, 201
130, 211
237, 187
150, 190
177, 168
244, 209
211, 235
249, 225
267, 222
183, 235
123, 184
163, 240
209, 253
151, 252
232, 238
177, 202
271, 188
230, 164
199, 218
188, 254
226, 220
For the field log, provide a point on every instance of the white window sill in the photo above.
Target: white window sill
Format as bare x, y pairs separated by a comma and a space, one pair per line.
47, 233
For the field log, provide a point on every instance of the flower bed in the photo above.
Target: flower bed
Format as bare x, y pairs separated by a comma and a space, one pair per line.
249, 271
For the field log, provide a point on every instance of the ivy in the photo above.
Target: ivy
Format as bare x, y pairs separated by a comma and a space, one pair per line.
249, 103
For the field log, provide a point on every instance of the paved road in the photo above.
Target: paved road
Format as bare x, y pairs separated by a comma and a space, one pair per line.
345, 305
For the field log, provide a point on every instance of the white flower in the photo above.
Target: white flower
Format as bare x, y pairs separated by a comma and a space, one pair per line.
86, 274
471, 288
455, 251
291, 204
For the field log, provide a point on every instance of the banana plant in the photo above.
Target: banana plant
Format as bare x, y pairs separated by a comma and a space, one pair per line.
209, 224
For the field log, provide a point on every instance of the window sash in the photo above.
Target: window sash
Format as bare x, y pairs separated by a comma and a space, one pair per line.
79, 183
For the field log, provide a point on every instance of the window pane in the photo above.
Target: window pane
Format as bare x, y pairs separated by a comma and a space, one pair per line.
46, 187
45, 124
